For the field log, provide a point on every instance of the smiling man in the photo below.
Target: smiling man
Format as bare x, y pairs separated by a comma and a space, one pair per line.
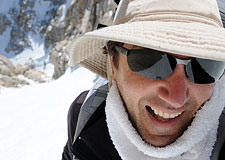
164, 62
160, 109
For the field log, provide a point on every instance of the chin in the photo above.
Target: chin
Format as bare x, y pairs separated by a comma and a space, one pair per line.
162, 141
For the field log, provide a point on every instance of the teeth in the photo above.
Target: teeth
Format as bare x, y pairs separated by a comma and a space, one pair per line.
165, 115
156, 112
160, 113
172, 115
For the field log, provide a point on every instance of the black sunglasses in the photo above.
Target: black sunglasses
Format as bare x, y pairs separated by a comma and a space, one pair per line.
159, 65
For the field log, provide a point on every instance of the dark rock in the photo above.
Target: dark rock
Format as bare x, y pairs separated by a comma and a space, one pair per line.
6, 67
9, 73
4, 23
11, 81
21, 69
60, 62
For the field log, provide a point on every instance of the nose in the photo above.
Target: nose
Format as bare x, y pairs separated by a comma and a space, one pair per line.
175, 88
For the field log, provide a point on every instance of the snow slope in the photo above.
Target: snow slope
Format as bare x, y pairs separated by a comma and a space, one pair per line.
33, 118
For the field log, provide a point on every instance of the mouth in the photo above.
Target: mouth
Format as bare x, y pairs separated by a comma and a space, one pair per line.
162, 116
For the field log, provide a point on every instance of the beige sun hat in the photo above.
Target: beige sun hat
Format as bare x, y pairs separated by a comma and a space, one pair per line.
185, 27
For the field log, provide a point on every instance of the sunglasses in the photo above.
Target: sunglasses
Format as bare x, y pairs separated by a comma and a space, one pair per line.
159, 65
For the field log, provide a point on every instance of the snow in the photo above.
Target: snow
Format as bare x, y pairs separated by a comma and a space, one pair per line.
40, 8
29, 54
34, 118
65, 7
36, 55
4, 40
6, 5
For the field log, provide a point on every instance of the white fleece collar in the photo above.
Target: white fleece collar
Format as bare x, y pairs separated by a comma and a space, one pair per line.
195, 143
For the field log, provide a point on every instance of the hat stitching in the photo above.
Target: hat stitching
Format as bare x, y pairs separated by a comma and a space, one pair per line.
178, 32
177, 38
177, 43
203, 18
200, 32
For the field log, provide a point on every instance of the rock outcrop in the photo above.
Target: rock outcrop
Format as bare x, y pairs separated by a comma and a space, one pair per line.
57, 27
24, 21
6, 67
61, 23
15, 76
81, 17
4, 23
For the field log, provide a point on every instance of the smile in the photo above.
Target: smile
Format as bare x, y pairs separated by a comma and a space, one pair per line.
160, 115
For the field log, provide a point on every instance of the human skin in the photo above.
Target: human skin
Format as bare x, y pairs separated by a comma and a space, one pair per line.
175, 94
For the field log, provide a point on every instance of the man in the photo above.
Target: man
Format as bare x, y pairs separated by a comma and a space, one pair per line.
164, 62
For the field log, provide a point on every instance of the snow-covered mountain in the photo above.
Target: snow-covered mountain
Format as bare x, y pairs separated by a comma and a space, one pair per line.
26, 21
38, 31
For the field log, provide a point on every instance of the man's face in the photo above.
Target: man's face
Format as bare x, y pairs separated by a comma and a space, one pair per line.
160, 110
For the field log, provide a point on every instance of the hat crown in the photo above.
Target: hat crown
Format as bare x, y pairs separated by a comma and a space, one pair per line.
203, 11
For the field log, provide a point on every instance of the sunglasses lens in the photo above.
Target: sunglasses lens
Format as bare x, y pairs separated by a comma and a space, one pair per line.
204, 71
158, 65
149, 63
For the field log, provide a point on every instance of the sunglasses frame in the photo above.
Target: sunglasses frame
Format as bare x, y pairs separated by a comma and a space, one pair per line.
125, 52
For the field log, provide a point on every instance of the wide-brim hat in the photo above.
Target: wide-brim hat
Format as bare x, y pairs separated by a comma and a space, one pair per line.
190, 27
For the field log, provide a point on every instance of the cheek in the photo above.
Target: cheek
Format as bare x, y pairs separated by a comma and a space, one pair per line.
130, 88
129, 84
202, 92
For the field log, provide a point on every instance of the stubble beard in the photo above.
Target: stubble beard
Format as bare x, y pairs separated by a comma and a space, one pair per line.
166, 136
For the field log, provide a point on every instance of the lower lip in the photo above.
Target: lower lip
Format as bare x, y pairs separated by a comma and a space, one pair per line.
165, 124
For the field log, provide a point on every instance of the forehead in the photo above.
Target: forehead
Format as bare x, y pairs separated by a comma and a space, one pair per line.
131, 46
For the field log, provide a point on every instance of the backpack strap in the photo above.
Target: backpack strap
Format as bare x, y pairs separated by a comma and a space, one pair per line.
220, 137
93, 100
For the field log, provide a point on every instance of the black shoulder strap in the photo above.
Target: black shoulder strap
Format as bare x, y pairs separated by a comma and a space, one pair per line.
93, 100
220, 138
91, 103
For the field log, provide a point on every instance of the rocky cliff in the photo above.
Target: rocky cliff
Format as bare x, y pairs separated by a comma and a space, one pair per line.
81, 16
54, 21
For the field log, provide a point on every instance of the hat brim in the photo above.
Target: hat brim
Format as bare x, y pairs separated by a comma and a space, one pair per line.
189, 39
